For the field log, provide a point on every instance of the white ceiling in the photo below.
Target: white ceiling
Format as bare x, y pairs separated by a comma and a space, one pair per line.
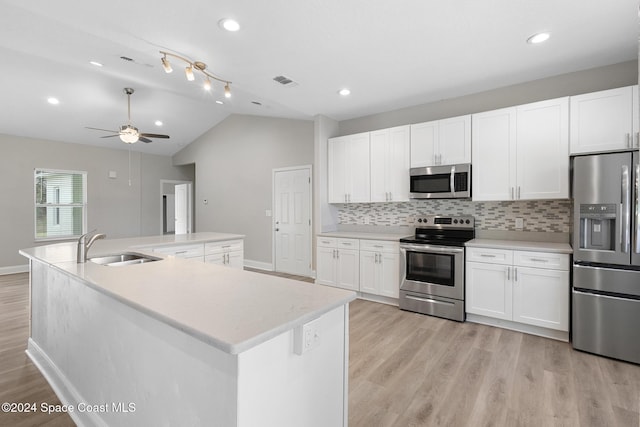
391, 54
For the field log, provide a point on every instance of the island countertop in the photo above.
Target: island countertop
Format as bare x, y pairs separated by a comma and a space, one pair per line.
231, 309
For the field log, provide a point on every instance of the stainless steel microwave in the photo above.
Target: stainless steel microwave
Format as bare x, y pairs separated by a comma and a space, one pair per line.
441, 182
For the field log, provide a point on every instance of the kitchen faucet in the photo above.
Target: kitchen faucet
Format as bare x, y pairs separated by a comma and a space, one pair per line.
83, 245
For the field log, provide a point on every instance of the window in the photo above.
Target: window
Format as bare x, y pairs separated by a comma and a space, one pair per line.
60, 204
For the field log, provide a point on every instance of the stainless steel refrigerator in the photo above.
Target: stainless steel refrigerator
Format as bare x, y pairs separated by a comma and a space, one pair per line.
606, 255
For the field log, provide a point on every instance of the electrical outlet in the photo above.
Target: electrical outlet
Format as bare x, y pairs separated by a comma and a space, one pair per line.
306, 337
519, 223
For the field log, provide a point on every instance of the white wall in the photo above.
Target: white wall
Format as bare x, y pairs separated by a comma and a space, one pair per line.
114, 207
234, 163
612, 76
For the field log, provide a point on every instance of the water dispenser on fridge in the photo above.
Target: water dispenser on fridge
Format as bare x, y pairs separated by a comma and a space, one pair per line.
598, 227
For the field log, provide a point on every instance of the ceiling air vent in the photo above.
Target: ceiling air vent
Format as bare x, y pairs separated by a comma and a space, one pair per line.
285, 81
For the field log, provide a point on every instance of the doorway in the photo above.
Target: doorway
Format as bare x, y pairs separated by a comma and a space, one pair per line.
292, 220
176, 208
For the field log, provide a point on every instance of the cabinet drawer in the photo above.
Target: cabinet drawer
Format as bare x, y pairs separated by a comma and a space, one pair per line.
348, 244
491, 256
380, 246
554, 261
182, 251
212, 248
327, 242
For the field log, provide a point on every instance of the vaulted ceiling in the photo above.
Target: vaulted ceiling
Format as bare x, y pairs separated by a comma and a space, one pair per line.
390, 55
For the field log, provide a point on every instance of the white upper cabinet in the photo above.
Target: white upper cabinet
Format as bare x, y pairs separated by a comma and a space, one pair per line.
605, 120
390, 165
441, 142
521, 153
348, 169
494, 155
542, 134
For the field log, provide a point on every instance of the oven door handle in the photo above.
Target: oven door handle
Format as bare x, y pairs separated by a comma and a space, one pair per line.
429, 248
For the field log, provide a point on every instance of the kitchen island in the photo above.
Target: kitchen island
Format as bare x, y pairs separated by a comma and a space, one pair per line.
181, 342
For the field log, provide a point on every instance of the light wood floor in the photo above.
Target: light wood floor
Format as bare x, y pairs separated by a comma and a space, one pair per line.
406, 370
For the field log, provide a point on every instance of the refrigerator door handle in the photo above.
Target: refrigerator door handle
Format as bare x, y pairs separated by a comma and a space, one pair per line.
636, 233
625, 232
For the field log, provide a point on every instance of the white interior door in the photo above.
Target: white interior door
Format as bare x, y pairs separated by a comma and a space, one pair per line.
171, 213
183, 208
292, 220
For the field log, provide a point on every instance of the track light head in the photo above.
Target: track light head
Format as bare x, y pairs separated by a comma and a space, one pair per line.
189, 73
207, 84
227, 91
166, 65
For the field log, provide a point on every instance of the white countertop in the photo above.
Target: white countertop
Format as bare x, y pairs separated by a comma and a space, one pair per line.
520, 245
365, 235
233, 310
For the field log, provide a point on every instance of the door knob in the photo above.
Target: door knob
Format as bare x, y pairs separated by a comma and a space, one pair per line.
277, 229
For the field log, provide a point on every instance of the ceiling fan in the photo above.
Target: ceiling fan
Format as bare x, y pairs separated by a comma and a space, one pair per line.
127, 133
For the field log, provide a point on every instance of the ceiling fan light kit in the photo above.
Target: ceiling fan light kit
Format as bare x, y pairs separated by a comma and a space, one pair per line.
128, 133
189, 71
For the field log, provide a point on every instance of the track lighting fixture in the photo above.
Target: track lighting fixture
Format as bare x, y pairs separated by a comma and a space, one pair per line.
189, 71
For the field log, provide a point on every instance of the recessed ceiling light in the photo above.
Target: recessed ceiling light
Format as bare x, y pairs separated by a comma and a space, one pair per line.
53, 101
158, 123
219, 102
344, 92
96, 63
538, 38
229, 24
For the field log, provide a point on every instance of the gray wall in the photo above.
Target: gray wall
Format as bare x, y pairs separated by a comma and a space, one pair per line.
113, 207
612, 76
234, 163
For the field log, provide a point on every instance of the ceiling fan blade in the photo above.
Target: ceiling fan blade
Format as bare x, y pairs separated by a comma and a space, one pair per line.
154, 135
143, 139
110, 136
105, 130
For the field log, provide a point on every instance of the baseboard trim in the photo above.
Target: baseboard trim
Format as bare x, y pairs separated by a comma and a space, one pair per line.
13, 269
519, 327
259, 265
65, 391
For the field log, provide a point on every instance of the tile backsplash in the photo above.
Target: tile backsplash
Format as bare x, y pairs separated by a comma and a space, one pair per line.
550, 216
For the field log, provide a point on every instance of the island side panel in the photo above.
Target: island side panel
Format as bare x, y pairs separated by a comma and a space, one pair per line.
277, 387
94, 350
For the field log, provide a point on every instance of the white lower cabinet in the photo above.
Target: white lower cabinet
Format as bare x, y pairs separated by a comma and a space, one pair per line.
380, 268
338, 263
190, 251
230, 254
369, 266
523, 287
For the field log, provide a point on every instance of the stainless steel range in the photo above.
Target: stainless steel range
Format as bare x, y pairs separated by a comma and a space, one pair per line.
432, 266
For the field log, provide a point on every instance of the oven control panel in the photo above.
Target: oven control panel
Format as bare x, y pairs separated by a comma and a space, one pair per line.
440, 221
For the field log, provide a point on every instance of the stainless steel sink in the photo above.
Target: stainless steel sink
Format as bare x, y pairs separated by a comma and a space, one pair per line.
127, 258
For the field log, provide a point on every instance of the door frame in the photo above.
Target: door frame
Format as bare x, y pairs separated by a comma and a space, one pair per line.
273, 217
175, 182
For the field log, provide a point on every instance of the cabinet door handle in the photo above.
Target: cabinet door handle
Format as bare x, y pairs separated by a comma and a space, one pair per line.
629, 141
180, 252
539, 260
378, 246
511, 193
518, 192
487, 256
515, 274
508, 273
390, 196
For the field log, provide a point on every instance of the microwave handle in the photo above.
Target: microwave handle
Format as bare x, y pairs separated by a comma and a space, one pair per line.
452, 181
